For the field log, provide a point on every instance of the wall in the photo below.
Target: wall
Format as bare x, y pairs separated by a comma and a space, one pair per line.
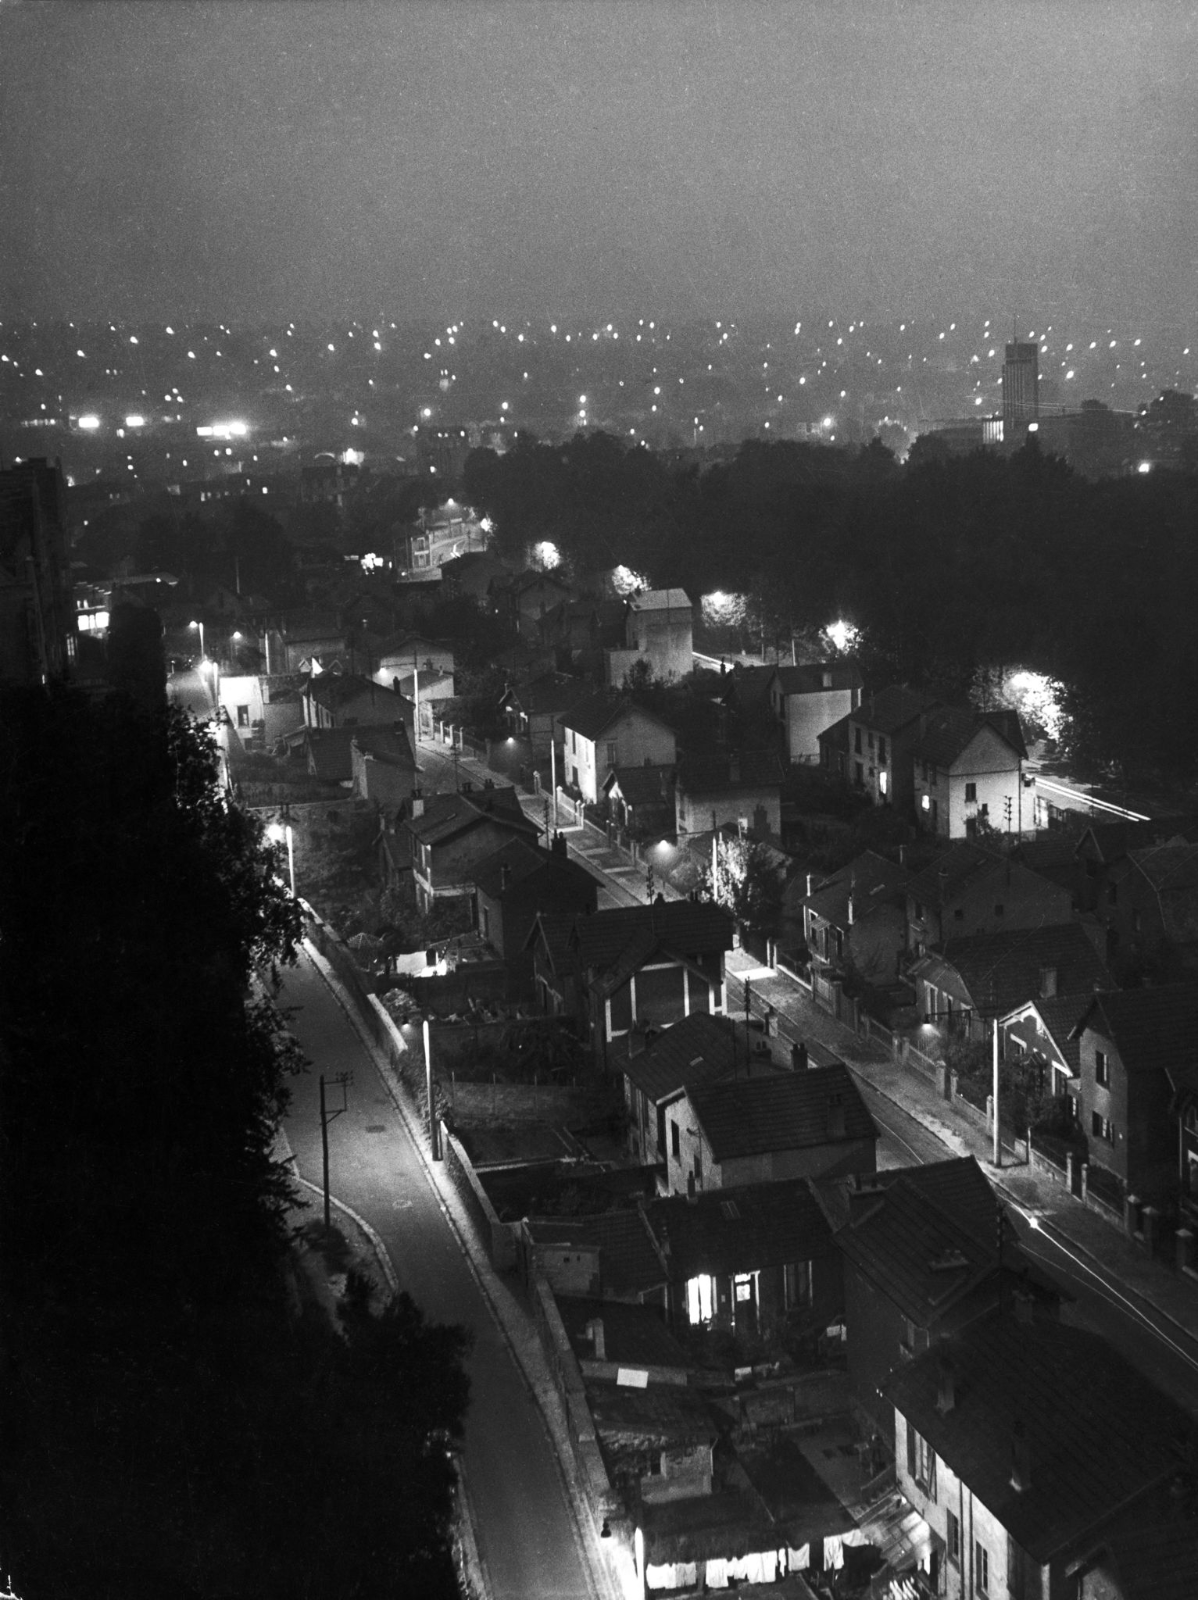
496, 1237
761, 808
807, 715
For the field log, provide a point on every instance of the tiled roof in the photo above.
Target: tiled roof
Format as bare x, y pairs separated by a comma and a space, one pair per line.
809, 679
551, 692
792, 1111
662, 600
916, 1253
1060, 1017
633, 1335
333, 689
1157, 1562
1172, 870
696, 1050
1153, 1029
952, 869
671, 1412
683, 927
1097, 1433
448, 814
508, 865
595, 713
870, 879
948, 731
1002, 970
1111, 841
643, 786
958, 1186
891, 709
751, 769
740, 1230
554, 929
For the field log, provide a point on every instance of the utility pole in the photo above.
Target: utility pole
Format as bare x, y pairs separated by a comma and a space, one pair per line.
433, 1132
994, 1091
341, 1081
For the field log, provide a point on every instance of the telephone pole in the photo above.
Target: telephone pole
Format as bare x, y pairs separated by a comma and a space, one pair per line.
342, 1081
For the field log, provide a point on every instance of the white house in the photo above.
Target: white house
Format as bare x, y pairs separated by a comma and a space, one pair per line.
603, 731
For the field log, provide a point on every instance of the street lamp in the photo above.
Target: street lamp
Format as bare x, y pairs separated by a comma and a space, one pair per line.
279, 833
200, 626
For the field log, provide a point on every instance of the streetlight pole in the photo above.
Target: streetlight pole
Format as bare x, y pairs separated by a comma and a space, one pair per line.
994, 1090
341, 1081
200, 626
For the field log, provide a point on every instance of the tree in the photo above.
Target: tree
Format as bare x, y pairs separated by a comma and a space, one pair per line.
744, 878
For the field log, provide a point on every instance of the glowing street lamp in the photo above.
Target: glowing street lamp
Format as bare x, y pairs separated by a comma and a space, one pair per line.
280, 833
200, 626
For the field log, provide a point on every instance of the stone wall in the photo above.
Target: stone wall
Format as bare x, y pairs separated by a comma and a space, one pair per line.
495, 1236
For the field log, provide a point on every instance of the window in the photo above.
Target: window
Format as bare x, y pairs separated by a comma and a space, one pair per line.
921, 1462
675, 1143
1102, 1128
881, 749
953, 1541
919, 911
971, 791
700, 1299
981, 1567
857, 741
611, 753
1102, 1069
243, 716
999, 909
932, 776
858, 774
796, 1285
959, 914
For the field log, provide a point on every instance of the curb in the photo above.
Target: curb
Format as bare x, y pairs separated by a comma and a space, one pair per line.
371, 1237
602, 1582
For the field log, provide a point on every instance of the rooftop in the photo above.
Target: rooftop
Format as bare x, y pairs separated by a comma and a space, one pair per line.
740, 1230
695, 1050
1152, 1029
795, 1110
1002, 970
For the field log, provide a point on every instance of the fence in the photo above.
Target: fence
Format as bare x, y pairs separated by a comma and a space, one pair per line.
495, 1236
339, 956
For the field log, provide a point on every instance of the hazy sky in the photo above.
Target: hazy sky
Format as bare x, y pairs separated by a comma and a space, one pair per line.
276, 157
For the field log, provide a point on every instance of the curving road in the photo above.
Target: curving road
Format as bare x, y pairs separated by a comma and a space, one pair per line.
528, 1538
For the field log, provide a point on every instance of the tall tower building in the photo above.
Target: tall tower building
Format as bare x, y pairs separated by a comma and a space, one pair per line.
1020, 387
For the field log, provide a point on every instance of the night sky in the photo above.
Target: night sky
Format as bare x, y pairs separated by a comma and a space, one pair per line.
253, 161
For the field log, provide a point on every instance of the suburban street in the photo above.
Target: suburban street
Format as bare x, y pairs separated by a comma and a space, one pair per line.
526, 1530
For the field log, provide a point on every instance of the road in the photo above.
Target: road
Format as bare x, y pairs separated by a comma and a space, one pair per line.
527, 1534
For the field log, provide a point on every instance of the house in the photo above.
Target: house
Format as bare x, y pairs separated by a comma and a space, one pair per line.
658, 629
744, 789
516, 882
344, 700
1135, 1046
807, 700
754, 1130
1021, 1477
968, 773
969, 983
401, 656
383, 768
870, 747
754, 1261
699, 1049
857, 919
451, 834
444, 533
920, 1261
603, 731
306, 637
1183, 1080
242, 700
1156, 1562
624, 970
611, 1255
1040, 1032
473, 574
531, 711
524, 599
968, 889
641, 800
1149, 905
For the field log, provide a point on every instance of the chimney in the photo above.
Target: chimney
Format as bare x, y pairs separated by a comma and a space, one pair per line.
1048, 982
946, 1382
597, 1336
505, 876
417, 804
1021, 1462
864, 1195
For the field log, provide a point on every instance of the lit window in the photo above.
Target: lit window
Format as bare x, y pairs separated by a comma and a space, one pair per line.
700, 1299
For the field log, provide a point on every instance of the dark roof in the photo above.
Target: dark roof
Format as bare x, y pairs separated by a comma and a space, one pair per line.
445, 815
751, 769
551, 692
748, 685
333, 689
948, 731
891, 709
809, 679
739, 1230
916, 1253
695, 1050
952, 869
666, 1412
684, 927
1157, 1561
1172, 870
1097, 1432
633, 1335
1111, 841
523, 860
644, 786
958, 1186
870, 879
792, 1111
596, 712
1152, 1029
555, 930
1003, 970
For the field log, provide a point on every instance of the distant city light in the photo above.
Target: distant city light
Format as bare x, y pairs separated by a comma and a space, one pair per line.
1144, 466
135, 421
89, 423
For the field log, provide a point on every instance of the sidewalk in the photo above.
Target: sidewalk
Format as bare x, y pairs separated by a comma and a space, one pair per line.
1174, 1298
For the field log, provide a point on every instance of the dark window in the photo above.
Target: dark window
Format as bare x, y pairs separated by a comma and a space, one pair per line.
857, 741
881, 749
953, 1542
971, 791
981, 1567
1102, 1128
675, 1144
959, 915
243, 716
999, 909
1102, 1068
858, 774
